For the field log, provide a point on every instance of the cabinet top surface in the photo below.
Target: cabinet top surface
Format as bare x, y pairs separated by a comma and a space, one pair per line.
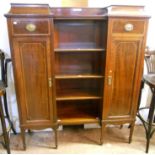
38, 10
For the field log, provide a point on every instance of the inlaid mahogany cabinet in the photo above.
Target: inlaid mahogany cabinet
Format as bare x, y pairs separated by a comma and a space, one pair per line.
76, 65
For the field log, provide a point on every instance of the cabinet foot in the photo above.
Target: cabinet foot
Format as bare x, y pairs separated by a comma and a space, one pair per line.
23, 138
30, 132
55, 137
121, 126
102, 133
131, 131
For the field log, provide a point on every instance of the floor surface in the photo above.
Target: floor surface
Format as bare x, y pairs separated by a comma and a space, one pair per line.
79, 140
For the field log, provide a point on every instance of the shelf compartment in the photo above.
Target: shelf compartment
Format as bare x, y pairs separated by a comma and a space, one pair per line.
84, 34
75, 63
88, 76
79, 50
83, 89
78, 112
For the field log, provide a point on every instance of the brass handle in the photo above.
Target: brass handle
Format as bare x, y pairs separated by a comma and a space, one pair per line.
109, 80
50, 82
30, 27
128, 27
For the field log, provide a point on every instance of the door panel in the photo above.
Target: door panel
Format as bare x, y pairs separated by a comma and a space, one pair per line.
125, 55
32, 73
125, 59
33, 59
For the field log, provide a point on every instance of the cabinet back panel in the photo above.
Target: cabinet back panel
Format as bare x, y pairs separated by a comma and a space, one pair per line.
78, 84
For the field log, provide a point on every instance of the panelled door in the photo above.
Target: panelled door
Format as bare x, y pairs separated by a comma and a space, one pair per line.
33, 79
124, 64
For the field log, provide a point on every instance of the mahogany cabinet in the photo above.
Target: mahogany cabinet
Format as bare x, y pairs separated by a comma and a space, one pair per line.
77, 65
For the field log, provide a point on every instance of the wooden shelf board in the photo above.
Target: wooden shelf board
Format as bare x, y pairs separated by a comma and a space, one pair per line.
101, 17
79, 50
72, 121
76, 94
89, 76
77, 98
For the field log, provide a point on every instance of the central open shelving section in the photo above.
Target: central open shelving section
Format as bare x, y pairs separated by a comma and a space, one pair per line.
79, 47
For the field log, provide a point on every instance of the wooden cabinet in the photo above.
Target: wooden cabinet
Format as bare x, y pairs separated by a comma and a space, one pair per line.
77, 65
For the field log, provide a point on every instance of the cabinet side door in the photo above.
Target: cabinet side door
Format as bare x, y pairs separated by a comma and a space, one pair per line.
124, 65
125, 70
32, 71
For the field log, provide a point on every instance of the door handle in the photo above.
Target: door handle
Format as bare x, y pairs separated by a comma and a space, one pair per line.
30, 27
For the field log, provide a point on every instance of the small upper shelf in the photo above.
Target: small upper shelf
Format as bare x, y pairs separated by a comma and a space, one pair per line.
79, 13
69, 13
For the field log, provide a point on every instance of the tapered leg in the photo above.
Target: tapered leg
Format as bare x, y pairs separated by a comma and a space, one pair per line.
23, 138
103, 125
7, 113
131, 131
148, 134
150, 119
29, 131
56, 137
121, 126
147, 144
5, 134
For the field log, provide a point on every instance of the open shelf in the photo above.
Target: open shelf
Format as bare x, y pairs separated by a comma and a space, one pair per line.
81, 35
77, 13
78, 112
88, 76
75, 63
83, 89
